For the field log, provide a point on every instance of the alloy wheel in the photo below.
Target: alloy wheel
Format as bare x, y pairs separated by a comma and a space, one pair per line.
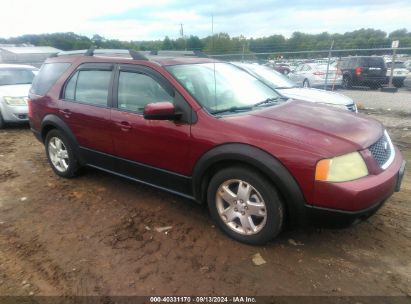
241, 207
58, 154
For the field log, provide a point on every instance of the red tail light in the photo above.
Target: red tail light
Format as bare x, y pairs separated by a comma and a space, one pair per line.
358, 71
318, 73
30, 104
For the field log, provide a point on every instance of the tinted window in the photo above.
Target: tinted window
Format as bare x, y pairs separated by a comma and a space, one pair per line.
89, 86
372, 62
47, 77
16, 76
135, 90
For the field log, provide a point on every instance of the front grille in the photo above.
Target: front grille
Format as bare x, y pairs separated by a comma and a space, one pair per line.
383, 151
352, 107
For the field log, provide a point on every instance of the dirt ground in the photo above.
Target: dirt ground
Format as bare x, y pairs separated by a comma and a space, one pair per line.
95, 235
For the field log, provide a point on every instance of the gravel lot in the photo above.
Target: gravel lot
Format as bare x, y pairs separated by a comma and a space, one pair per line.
96, 235
375, 100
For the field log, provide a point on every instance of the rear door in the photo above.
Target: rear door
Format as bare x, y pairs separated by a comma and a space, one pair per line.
84, 106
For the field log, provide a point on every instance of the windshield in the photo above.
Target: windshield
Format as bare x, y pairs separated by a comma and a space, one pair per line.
220, 86
269, 76
16, 76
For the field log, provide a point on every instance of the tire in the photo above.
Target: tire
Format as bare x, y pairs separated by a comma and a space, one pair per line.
398, 84
347, 82
2, 123
306, 83
66, 164
261, 206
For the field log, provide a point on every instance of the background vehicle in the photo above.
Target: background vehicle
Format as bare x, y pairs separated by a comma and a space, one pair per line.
399, 74
407, 82
15, 81
314, 75
290, 89
363, 71
213, 133
280, 67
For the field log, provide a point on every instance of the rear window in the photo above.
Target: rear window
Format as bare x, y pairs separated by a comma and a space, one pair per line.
47, 77
367, 62
397, 65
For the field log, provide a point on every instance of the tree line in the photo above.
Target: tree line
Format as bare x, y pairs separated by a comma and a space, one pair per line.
223, 43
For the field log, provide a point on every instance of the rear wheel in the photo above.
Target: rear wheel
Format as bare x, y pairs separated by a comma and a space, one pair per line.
245, 205
346, 82
60, 154
306, 83
1, 122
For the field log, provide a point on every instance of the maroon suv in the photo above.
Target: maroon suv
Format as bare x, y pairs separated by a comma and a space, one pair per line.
213, 133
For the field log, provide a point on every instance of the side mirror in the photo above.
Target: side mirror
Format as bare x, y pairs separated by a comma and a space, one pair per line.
163, 110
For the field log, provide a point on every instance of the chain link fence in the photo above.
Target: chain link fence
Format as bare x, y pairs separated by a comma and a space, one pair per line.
371, 68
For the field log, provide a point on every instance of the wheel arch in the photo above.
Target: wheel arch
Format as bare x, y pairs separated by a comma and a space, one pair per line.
51, 122
246, 155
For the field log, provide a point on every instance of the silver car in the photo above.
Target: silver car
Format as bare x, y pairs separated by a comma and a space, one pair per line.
15, 81
289, 89
314, 75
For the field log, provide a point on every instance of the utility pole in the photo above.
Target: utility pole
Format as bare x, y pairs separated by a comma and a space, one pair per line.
182, 36
328, 65
394, 47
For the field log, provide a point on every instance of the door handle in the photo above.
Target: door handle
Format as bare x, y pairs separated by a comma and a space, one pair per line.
66, 113
124, 125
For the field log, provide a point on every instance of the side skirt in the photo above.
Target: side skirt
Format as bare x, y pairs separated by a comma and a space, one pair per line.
161, 179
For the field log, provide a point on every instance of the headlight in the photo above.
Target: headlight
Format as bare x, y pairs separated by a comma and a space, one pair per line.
343, 168
15, 101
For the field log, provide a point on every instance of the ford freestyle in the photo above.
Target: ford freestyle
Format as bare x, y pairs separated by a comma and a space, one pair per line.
210, 132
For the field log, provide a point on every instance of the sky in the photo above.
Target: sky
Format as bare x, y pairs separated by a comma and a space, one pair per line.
155, 19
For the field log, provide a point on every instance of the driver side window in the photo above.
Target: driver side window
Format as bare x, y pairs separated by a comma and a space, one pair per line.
135, 90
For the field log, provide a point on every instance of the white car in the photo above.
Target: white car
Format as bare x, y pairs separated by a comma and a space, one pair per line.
15, 82
399, 74
315, 75
289, 89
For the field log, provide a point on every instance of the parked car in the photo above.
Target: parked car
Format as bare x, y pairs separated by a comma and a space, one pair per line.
399, 73
314, 75
15, 81
213, 133
363, 71
280, 67
288, 88
407, 82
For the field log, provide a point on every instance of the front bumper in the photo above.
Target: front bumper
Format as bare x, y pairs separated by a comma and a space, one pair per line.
15, 114
356, 199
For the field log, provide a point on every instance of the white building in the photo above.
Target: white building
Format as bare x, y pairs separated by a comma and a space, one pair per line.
32, 55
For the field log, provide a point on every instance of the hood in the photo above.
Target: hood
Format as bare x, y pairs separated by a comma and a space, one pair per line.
316, 95
17, 90
321, 127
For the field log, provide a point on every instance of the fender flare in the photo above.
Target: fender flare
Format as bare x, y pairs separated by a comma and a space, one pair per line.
260, 160
55, 122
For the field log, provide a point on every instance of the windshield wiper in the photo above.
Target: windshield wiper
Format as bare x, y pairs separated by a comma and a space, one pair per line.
233, 109
270, 100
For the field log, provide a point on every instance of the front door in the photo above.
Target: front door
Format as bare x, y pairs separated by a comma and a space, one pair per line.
157, 145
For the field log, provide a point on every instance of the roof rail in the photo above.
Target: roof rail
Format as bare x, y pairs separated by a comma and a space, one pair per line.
175, 53
91, 52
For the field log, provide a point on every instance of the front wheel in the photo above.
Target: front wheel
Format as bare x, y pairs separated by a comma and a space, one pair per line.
306, 83
245, 205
